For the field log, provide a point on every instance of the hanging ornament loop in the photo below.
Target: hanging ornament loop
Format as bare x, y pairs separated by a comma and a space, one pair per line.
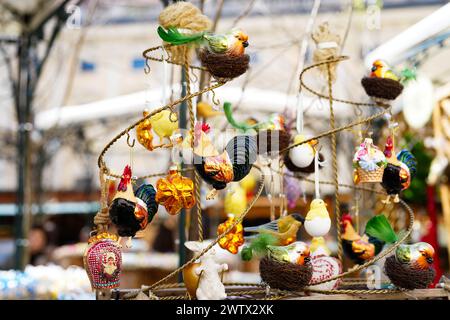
130, 144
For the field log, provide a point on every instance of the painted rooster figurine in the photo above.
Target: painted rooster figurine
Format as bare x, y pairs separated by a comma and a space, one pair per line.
358, 248
399, 171
218, 169
129, 211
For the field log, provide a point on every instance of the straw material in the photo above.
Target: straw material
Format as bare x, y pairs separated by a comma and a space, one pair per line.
285, 275
370, 176
382, 88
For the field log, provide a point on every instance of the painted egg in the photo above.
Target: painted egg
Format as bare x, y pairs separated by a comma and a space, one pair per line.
325, 267
318, 227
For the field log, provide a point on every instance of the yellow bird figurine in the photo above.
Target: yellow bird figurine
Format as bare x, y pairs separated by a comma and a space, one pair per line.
164, 126
317, 221
380, 69
284, 229
205, 110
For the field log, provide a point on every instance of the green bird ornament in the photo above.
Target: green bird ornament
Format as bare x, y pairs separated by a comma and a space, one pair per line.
231, 43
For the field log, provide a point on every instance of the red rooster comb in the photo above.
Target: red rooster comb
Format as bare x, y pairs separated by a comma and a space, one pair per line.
126, 177
389, 146
202, 126
198, 129
346, 217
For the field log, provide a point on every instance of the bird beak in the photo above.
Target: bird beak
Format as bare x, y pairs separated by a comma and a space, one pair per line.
245, 44
430, 260
374, 69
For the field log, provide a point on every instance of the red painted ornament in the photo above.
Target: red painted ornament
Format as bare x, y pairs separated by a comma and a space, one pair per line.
103, 263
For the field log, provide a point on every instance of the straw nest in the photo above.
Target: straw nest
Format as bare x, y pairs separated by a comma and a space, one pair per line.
224, 67
408, 278
382, 88
285, 275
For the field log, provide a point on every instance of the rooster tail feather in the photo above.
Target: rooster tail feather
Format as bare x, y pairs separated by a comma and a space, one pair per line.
147, 193
242, 151
380, 228
408, 158
173, 36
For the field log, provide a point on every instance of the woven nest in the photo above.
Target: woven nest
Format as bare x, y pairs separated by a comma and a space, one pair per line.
224, 67
293, 168
407, 278
284, 275
267, 146
382, 88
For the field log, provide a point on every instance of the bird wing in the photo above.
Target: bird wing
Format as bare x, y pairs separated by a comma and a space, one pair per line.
217, 43
270, 226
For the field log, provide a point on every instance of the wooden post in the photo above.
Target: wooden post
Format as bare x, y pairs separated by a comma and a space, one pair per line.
443, 151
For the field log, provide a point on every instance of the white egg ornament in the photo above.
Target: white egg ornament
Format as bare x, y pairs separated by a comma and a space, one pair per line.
302, 155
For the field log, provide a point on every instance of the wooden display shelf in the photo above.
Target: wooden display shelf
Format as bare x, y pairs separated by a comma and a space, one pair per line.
418, 294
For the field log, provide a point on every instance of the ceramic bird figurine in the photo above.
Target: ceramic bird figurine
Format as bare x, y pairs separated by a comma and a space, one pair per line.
205, 110
275, 121
232, 43
297, 253
317, 221
284, 229
164, 126
417, 256
380, 69
412, 266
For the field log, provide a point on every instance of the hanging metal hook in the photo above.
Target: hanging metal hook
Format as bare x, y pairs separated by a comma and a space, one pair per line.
131, 145
147, 68
165, 55
214, 99
172, 113
194, 78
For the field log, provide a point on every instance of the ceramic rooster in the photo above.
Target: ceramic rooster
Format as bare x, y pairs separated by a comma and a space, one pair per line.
399, 171
218, 169
356, 247
130, 211
231, 43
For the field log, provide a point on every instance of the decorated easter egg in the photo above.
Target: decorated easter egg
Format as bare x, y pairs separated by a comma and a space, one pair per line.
103, 263
325, 267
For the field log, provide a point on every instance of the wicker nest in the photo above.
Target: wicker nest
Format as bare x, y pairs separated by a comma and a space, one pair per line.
266, 145
382, 88
293, 168
224, 67
285, 275
407, 278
